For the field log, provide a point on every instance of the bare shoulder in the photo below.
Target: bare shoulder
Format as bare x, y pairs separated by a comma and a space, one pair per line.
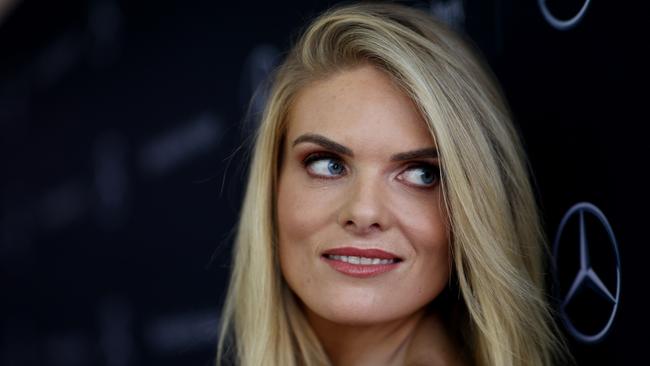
433, 346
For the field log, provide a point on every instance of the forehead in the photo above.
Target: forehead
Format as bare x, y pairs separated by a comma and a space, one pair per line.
361, 107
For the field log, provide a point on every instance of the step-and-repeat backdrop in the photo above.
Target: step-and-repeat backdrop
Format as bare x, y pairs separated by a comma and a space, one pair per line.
120, 123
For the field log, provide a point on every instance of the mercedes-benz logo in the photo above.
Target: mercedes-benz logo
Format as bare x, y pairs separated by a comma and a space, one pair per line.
586, 275
562, 24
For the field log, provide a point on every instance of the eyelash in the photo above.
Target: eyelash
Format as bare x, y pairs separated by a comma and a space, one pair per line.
424, 165
311, 158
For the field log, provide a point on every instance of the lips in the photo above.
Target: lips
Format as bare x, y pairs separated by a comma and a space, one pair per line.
358, 252
361, 263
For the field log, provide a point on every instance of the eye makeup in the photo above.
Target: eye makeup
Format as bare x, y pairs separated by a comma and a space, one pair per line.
433, 169
327, 165
336, 167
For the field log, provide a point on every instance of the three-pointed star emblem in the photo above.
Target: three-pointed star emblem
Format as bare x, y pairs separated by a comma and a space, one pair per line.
586, 275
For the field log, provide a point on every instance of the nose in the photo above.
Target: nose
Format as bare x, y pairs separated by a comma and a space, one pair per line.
364, 210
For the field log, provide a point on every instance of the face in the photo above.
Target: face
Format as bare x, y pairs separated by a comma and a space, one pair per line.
362, 228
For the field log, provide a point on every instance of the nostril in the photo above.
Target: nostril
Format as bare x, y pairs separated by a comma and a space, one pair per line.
371, 226
362, 220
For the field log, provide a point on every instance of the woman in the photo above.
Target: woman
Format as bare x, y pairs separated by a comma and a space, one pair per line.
388, 216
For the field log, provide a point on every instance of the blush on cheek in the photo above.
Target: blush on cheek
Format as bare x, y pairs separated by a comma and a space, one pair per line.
304, 211
295, 226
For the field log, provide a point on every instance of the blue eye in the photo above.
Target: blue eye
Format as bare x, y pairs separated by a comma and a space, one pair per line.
326, 166
422, 175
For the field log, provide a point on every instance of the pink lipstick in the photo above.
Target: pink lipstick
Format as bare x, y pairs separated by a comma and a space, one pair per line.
361, 263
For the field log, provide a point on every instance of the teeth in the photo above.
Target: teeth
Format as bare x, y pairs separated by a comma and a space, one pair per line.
360, 260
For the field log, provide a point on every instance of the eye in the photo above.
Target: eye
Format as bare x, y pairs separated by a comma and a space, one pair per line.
422, 175
324, 165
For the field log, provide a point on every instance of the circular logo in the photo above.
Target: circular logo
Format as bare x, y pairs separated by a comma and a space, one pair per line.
562, 24
586, 275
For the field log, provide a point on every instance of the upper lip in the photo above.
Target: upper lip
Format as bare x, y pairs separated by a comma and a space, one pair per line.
359, 252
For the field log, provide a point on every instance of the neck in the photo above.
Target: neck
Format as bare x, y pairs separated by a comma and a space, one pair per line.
358, 345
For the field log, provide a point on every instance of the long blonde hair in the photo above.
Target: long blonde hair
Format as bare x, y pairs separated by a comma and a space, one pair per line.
498, 244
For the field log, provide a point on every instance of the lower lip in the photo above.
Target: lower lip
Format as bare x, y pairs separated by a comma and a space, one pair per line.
360, 270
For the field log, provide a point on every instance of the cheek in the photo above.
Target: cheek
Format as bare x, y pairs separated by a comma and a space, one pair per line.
425, 222
303, 212
300, 211
425, 225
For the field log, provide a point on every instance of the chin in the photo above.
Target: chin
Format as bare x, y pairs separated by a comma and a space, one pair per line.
358, 313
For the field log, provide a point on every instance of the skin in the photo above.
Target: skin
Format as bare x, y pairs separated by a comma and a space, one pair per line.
366, 197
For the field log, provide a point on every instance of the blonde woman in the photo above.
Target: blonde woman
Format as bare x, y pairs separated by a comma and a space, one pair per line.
388, 217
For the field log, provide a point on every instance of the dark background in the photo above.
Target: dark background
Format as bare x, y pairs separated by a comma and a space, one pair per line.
121, 177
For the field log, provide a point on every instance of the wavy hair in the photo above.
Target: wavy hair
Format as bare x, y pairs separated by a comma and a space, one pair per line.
498, 245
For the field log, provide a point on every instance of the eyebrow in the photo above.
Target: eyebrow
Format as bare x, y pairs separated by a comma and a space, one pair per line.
324, 142
428, 152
